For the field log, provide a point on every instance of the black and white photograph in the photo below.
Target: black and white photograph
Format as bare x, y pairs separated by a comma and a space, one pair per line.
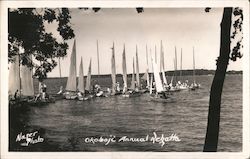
137, 78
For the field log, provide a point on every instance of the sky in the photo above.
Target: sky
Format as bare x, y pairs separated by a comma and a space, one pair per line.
183, 28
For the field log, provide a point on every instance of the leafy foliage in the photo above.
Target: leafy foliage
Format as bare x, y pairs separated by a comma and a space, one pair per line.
139, 9
27, 30
207, 9
237, 34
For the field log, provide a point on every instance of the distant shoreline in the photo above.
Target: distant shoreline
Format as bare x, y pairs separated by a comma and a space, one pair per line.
170, 73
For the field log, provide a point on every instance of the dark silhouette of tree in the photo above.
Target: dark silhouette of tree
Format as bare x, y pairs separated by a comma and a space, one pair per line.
26, 29
212, 133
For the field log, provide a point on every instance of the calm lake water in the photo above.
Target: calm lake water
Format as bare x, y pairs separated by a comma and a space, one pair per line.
65, 124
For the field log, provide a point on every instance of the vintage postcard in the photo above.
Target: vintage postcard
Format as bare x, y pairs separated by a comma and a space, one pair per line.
124, 79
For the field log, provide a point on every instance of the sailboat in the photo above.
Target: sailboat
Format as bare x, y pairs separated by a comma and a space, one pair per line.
80, 85
182, 85
138, 82
160, 95
98, 91
71, 86
173, 84
115, 86
162, 67
147, 70
88, 80
132, 86
72, 90
20, 79
132, 91
124, 71
88, 89
145, 77
194, 85
14, 77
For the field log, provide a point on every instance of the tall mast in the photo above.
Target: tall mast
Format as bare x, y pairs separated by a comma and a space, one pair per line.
193, 66
172, 79
181, 66
88, 80
124, 70
137, 70
147, 71
71, 82
175, 65
133, 77
97, 47
162, 58
151, 78
113, 70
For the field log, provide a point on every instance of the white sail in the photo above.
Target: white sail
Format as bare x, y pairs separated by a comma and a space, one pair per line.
158, 82
14, 76
124, 69
147, 70
162, 57
133, 77
88, 80
137, 70
162, 67
71, 82
151, 84
152, 74
27, 86
172, 78
164, 76
113, 70
80, 85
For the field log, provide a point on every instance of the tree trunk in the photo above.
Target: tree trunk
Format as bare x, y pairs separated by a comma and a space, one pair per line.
212, 133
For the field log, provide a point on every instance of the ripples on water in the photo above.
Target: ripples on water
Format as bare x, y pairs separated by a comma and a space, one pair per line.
66, 123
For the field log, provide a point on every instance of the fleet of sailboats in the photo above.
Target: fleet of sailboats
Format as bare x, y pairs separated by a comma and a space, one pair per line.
20, 77
78, 90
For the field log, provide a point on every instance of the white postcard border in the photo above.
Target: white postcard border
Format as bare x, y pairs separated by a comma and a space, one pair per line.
121, 4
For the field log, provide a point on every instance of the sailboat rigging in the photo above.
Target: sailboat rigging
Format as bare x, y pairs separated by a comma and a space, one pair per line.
194, 85
132, 87
115, 86
124, 69
163, 67
98, 62
183, 85
71, 82
160, 95
88, 80
138, 82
